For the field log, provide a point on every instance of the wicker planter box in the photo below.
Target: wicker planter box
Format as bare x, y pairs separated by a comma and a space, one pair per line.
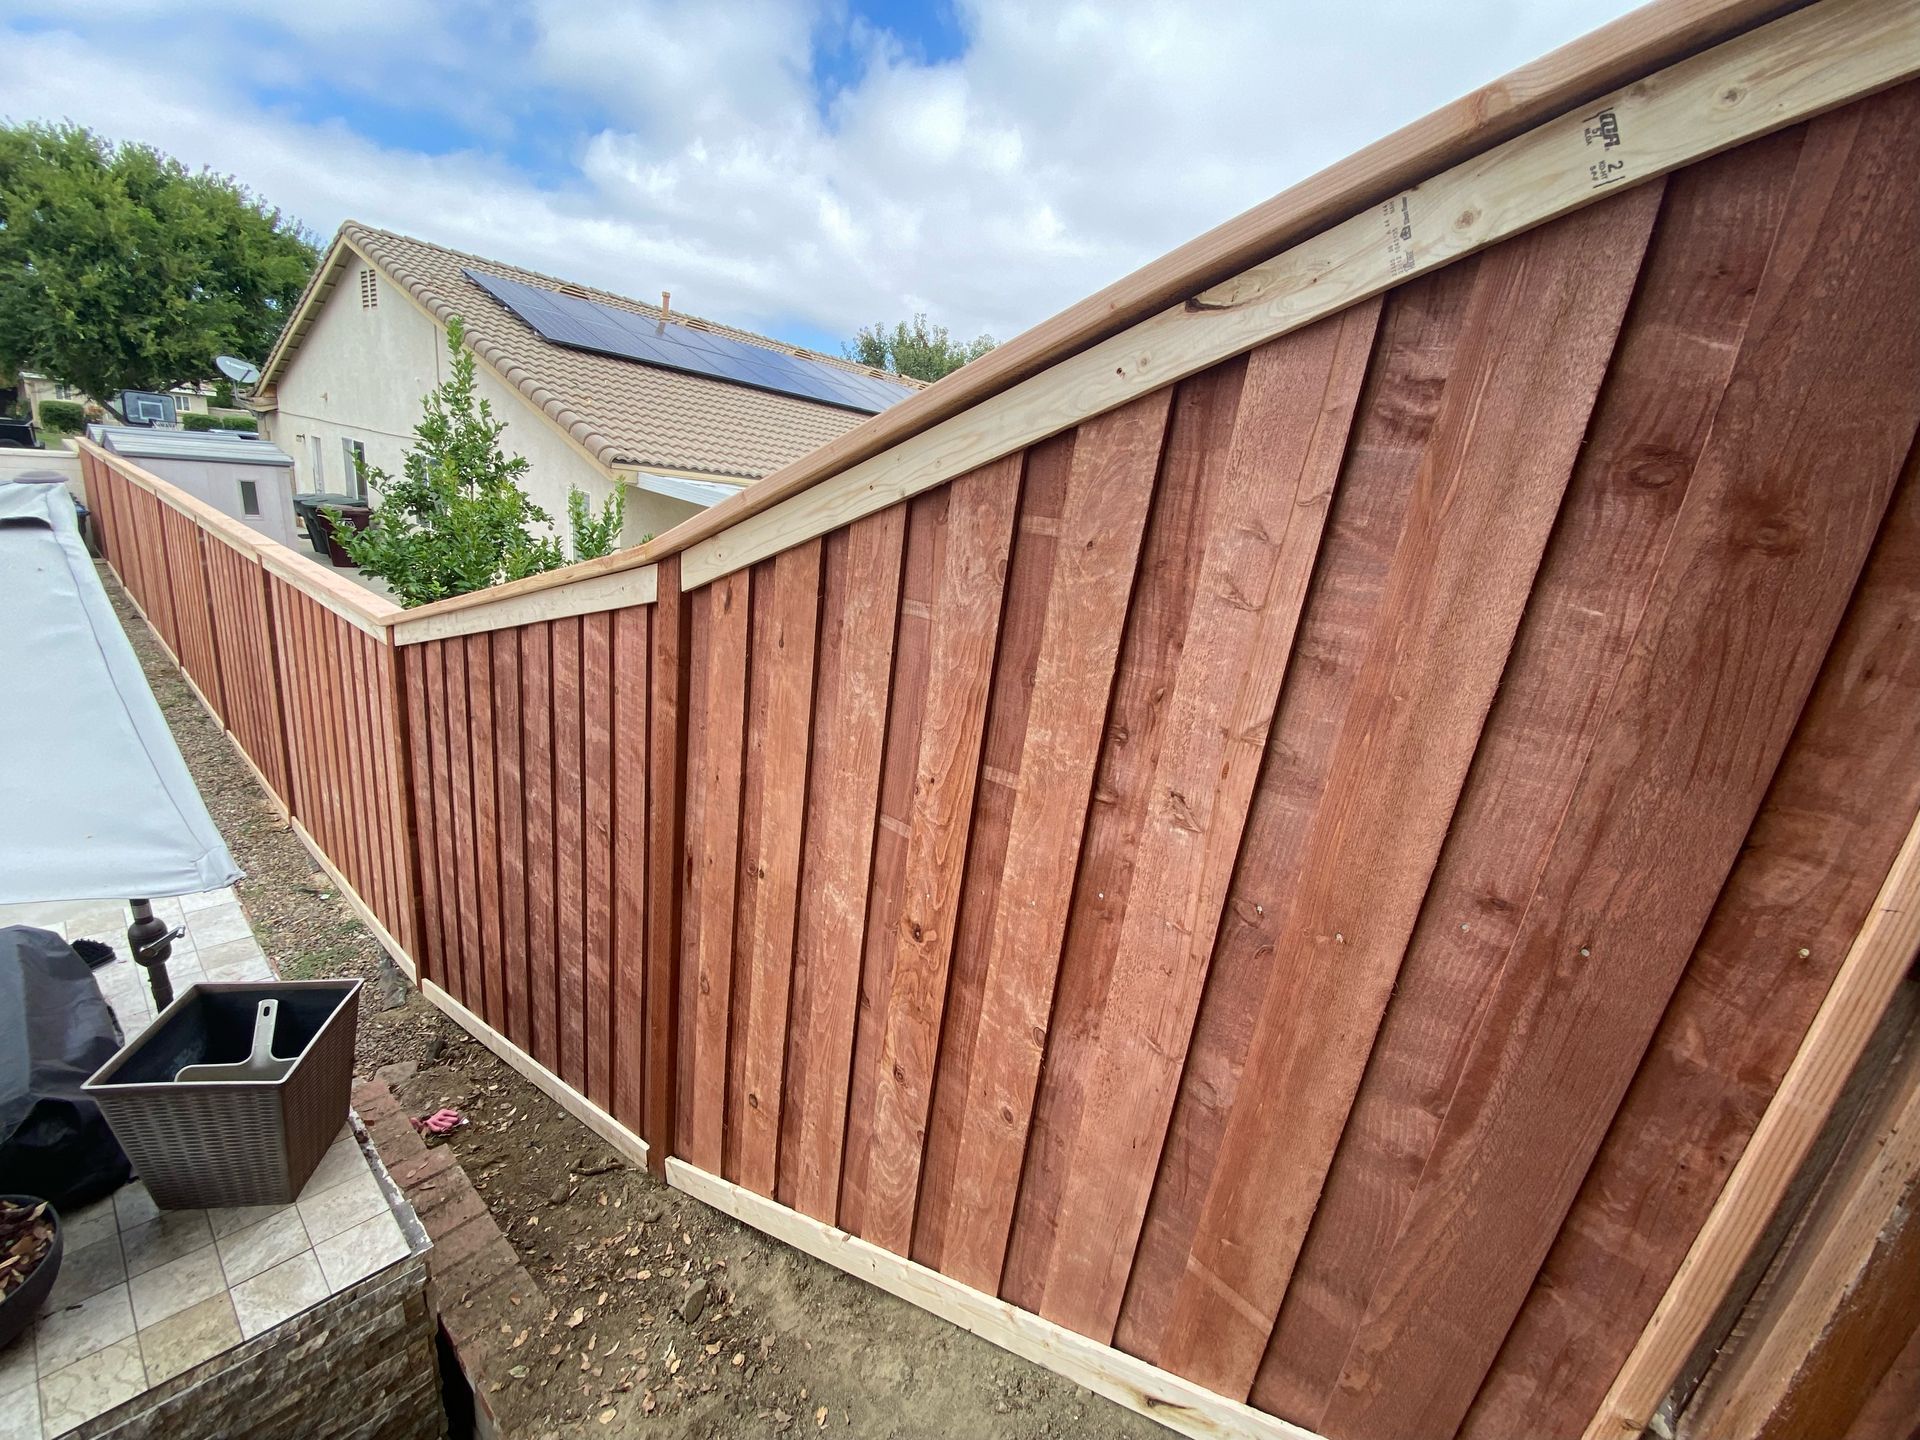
200, 1144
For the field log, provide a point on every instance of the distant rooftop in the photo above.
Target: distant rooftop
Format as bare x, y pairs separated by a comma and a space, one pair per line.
628, 413
140, 442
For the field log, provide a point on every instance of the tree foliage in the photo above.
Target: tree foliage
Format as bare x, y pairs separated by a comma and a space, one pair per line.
120, 269
456, 519
921, 350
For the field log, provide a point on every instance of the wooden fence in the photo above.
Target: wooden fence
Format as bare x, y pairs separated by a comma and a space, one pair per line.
292, 660
1331, 889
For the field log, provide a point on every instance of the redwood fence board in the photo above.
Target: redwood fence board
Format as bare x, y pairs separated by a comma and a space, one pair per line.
515, 957
1191, 472
1413, 354
1310, 877
537, 765
569, 857
1670, 367
860, 588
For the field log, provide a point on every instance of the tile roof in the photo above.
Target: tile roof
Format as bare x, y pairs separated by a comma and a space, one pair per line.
620, 411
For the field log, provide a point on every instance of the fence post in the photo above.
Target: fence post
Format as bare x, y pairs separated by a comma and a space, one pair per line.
666, 839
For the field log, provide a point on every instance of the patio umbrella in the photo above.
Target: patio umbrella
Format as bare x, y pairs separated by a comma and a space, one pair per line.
95, 799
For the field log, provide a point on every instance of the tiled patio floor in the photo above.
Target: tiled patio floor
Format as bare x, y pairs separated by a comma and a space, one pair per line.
144, 1294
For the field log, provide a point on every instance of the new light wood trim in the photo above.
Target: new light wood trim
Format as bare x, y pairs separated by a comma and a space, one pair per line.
369, 611
1653, 35
587, 597
344, 598
1805, 1310
1178, 1404
1797, 67
359, 907
1875, 964
628, 1145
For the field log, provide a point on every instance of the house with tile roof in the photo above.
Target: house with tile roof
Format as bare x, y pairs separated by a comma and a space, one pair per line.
598, 390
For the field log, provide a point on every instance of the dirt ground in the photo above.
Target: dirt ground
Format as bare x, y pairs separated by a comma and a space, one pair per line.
782, 1346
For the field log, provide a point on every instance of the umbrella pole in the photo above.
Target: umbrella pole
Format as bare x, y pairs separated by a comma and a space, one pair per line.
152, 944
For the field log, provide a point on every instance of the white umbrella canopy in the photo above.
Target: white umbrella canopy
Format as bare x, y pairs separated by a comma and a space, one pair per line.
95, 800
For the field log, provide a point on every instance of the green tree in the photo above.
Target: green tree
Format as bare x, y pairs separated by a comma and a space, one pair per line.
120, 269
921, 350
456, 519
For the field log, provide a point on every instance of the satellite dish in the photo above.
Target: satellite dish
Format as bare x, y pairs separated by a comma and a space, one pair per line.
237, 370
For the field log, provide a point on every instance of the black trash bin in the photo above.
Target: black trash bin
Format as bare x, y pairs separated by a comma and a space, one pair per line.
205, 1143
319, 528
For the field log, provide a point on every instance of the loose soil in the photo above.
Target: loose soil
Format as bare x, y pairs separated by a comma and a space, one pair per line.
783, 1346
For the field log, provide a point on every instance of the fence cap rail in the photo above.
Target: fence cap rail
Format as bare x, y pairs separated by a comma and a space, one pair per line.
346, 599
1616, 54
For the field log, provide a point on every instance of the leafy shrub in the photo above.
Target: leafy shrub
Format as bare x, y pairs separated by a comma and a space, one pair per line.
223, 394
238, 422
66, 417
456, 519
194, 420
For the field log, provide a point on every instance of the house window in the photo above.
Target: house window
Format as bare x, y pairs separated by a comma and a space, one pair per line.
250, 499
369, 289
354, 456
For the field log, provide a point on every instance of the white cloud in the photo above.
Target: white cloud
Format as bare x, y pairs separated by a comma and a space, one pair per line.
683, 146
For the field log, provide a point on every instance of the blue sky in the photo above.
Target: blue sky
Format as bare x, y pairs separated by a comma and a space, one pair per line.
798, 166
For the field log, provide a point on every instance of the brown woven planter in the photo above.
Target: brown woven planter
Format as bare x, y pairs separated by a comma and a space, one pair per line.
200, 1144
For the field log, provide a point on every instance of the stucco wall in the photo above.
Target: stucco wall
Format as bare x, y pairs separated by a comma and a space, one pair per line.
360, 375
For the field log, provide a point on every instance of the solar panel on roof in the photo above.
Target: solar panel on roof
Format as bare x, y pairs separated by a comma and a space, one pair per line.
582, 324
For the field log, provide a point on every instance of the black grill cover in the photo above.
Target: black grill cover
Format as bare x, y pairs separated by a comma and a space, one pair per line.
55, 1031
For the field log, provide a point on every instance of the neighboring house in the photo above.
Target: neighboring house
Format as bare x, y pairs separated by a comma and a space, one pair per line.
597, 390
194, 397
246, 479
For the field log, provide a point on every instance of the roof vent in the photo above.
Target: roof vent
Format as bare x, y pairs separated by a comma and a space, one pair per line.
369, 289
575, 291
666, 302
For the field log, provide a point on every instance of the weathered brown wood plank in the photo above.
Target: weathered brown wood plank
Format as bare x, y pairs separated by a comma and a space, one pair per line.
860, 599
747, 874
1420, 324
715, 850
1289, 436
1023, 611
1192, 471
668, 782
465, 848
435, 738
1543, 322
429, 953
1788, 495
692, 865
964, 632
596, 767
920, 564
486, 827
536, 765
630, 918
1671, 365
569, 861
512, 820
1800, 891
785, 667
1101, 514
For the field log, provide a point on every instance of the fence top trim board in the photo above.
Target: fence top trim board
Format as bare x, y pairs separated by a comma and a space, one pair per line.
494, 609
498, 612
362, 607
1797, 67
1614, 55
